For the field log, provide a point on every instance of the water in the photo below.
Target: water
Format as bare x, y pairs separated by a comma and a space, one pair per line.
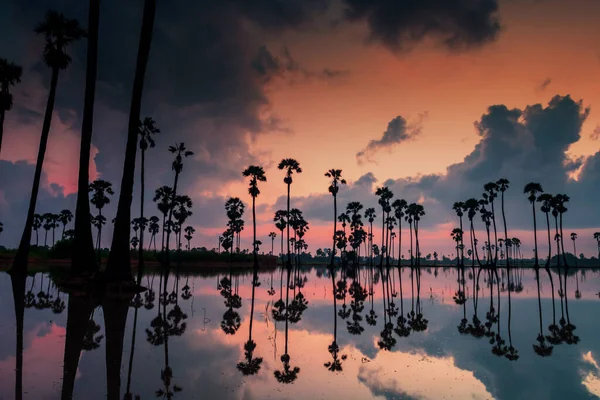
194, 358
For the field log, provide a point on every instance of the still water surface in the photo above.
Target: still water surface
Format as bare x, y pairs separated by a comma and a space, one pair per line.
367, 335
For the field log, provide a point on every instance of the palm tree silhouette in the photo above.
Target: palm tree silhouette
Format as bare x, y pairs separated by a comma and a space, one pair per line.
146, 130
336, 179
83, 260
181, 212
10, 75
574, 238
491, 192
100, 190
458, 208
542, 349
385, 195
561, 199
180, 151
546, 207
59, 32
37, 224
115, 309
503, 185
47, 225
457, 237
280, 220
533, 189
251, 365
472, 207
163, 197
65, 217
290, 166
153, 229
597, 237
256, 174
189, 233
18, 280
54, 222
119, 267
417, 211
235, 210
370, 215
98, 221
272, 235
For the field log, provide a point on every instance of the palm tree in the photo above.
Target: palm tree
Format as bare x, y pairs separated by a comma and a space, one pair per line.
1, 228
472, 206
10, 75
54, 223
280, 220
561, 199
47, 219
533, 189
385, 195
65, 217
457, 237
181, 212
417, 212
503, 185
256, 174
146, 130
458, 208
336, 179
59, 32
100, 190
290, 166
153, 229
370, 214
272, 235
98, 221
163, 198
83, 246
597, 237
119, 267
574, 238
189, 233
546, 200
491, 192
37, 224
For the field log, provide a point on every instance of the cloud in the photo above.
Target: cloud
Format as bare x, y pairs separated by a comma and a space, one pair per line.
596, 133
544, 85
455, 24
397, 131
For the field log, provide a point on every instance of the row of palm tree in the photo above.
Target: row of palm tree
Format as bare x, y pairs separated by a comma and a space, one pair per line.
50, 221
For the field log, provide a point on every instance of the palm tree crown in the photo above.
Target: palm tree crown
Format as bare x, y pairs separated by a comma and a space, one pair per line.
59, 32
10, 75
146, 130
532, 189
290, 166
256, 174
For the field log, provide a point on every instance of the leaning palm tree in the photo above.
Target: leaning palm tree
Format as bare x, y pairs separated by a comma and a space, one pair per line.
336, 179
146, 130
59, 32
546, 200
10, 75
533, 189
290, 166
256, 174
597, 237
119, 267
65, 217
83, 260
503, 185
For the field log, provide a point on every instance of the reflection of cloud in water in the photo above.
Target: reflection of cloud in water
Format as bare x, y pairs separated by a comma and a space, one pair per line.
417, 375
591, 381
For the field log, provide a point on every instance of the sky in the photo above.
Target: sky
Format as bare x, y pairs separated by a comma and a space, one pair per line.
432, 99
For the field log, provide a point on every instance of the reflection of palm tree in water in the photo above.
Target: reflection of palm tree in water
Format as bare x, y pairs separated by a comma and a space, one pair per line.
554, 336
358, 294
416, 321
252, 365
90, 340
476, 329
541, 348
336, 364
566, 327
136, 304
512, 354
401, 329
18, 288
460, 298
288, 374
231, 318
577, 291
372, 317
388, 341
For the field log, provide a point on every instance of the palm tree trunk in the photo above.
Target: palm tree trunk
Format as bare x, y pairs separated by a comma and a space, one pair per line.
45, 238
537, 263
557, 242
119, 264
18, 279
53, 230
382, 236
84, 259
141, 253
1, 128
562, 241
549, 241
334, 229
417, 249
282, 259
115, 320
289, 255
505, 230
495, 234
411, 243
254, 247
22, 256
462, 248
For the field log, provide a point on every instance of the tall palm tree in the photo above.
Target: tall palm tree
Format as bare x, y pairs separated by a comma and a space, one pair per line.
256, 174
180, 152
48, 222
458, 208
272, 235
10, 75
146, 130
561, 199
457, 237
503, 185
533, 189
418, 211
181, 212
189, 233
280, 220
59, 32
597, 237
65, 217
336, 179
153, 228
54, 222
546, 200
100, 190
37, 224
290, 166
491, 192
163, 198
83, 247
98, 221
574, 238
472, 207
370, 215
119, 267
235, 210
399, 206
385, 195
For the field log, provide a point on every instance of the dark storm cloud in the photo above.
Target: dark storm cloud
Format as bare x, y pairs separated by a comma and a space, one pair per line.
456, 24
397, 131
